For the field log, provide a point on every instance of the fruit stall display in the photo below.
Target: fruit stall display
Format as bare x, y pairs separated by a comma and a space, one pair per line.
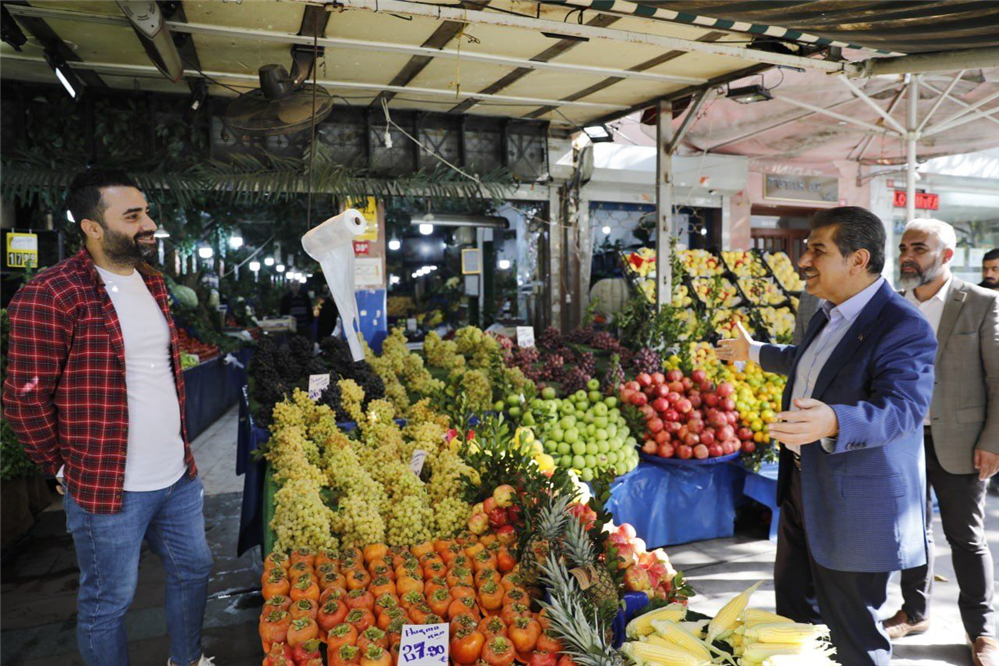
782, 269
521, 564
193, 351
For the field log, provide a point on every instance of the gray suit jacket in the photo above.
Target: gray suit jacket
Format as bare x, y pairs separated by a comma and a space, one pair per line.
965, 408
808, 305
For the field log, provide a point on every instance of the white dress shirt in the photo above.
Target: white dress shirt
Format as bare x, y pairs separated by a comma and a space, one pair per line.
932, 309
814, 357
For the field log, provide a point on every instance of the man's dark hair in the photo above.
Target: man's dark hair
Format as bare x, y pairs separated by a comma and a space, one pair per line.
84, 197
856, 229
991, 255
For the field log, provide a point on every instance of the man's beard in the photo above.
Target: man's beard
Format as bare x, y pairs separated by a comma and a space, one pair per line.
989, 283
125, 250
919, 278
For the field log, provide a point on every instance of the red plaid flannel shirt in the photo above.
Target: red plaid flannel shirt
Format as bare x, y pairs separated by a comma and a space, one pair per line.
64, 394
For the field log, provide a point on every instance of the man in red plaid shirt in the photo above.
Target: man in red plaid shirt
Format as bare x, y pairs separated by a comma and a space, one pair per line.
95, 392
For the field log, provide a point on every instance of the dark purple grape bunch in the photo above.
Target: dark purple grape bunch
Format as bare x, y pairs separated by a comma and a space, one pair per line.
614, 376
647, 360
587, 362
553, 369
574, 380
550, 340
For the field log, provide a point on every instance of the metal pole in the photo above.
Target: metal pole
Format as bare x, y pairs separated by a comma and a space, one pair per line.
910, 139
664, 204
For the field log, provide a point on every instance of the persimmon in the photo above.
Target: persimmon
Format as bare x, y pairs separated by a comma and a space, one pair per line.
276, 559
381, 569
498, 651
358, 579
513, 611
341, 634
434, 569
459, 576
460, 561
326, 557
418, 612
306, 555
548, 643
512, 580
304, 608
473, 549
405, 585
374, 551
376, 656
308, 651
461, 591
422, 549
332, 592
304, 588
330, 614
524, 634
360, 598
490, 596
434, 584
332, 579
300, 569
361, 618
493, 626
385, 602
344, 655
483, 575
301, 630
372, 636
382, 585
483, 560
411, 598
280, 654
387, 617
466, 646
277, 602
274, 629
277, 584
516, 595
505, 561
463, 605
463, 621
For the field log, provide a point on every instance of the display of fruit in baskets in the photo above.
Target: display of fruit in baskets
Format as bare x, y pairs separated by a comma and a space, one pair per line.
586, 432
194, 346
779, 323
717, 292
724, 322
701, 263
681, 297
686, 417
744, 263
780, 264
762, 291
642, 262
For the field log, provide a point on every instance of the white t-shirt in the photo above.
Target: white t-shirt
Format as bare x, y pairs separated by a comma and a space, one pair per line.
155, 458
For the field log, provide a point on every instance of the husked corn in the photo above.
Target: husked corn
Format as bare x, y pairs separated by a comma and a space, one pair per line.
752, 616
642, 625
728, 616
658, 654
797, 633
679, 636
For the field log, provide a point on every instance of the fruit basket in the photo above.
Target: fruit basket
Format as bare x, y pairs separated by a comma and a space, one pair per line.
716, 292
745, 263
701, 263
762, 292
784, 272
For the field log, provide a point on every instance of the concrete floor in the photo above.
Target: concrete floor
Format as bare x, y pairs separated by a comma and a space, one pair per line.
38, 584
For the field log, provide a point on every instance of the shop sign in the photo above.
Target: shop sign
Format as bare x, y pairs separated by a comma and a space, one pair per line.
808, 189
362, 248
471, 262
924, 200
22, 250
525, 336
318, 384
368, 273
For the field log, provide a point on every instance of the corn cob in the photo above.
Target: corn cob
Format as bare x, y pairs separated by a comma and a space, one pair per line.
661, 655
728, 616
791, 633
752, 616
799, 660
680, 637
642, 625
757, 653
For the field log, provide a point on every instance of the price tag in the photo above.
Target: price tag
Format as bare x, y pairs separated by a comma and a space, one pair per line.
525, 336
317, 383
416, 462
424, 645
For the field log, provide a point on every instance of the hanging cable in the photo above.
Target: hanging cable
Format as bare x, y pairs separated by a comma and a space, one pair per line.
312, 144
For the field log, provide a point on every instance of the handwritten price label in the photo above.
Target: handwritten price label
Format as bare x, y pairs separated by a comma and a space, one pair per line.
525, 336
424, 645
317, 383
416, 462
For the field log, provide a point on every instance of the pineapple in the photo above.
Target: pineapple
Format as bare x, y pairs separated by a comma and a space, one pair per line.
550, 523
585, 638
602, 593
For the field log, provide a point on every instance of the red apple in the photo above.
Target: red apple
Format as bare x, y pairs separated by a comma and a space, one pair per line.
506, 534
661, 437
683, 405
715, 451
682, 433
674, 426
707, 386
646, 411
658, 378
692, 439
489, 504
700, 452
683, 452
745, 433
639, 399
717, 419
710, 399
660, 405
749, 446
674, 376
699, 376
687, 383
708, 437
696, 414
627, 530
666, 450
633, 385
725, 389
644, 379
677, 387
695, 400
695, 426
649, 447
728, 405
732, 418
637, 580
725, 432
654, 424
736, 444
626, 396
671, 415
673, 397
662, 391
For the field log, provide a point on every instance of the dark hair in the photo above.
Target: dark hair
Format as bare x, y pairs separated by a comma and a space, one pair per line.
991, 255
856, 228
84, 198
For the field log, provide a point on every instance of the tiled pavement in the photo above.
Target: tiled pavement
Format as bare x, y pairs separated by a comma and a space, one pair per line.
38, 584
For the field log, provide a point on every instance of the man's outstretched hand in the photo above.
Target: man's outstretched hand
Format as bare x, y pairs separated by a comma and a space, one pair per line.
736, 349
810, 422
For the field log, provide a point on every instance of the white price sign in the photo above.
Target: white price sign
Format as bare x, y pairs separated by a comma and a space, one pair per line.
416, 462
317, 383
525, 336
424, 645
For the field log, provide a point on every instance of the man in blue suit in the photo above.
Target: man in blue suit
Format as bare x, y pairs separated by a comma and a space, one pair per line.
852, 481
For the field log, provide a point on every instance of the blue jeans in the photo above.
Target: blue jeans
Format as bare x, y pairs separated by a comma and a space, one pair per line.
107, 549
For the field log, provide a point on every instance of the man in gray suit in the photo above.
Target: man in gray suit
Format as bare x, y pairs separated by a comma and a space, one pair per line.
961, 431
808, 305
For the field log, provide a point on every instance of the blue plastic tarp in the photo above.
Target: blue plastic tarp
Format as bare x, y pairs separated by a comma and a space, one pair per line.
673, 504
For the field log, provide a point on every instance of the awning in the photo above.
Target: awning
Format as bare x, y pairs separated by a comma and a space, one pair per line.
903, 26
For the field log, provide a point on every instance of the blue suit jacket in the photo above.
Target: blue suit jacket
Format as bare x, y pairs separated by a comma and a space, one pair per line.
864, 504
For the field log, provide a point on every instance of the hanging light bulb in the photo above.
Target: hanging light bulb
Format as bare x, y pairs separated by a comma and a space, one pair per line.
254, 266
161, 233
504, 264
426, 228
394, 245
280, 268
268, 261
235, 241
206, 252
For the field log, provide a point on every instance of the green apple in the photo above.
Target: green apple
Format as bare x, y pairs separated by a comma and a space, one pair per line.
548, 393
593, 384
563, 448
579, 447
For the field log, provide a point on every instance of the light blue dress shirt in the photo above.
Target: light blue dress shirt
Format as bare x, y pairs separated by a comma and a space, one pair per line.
814, 357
